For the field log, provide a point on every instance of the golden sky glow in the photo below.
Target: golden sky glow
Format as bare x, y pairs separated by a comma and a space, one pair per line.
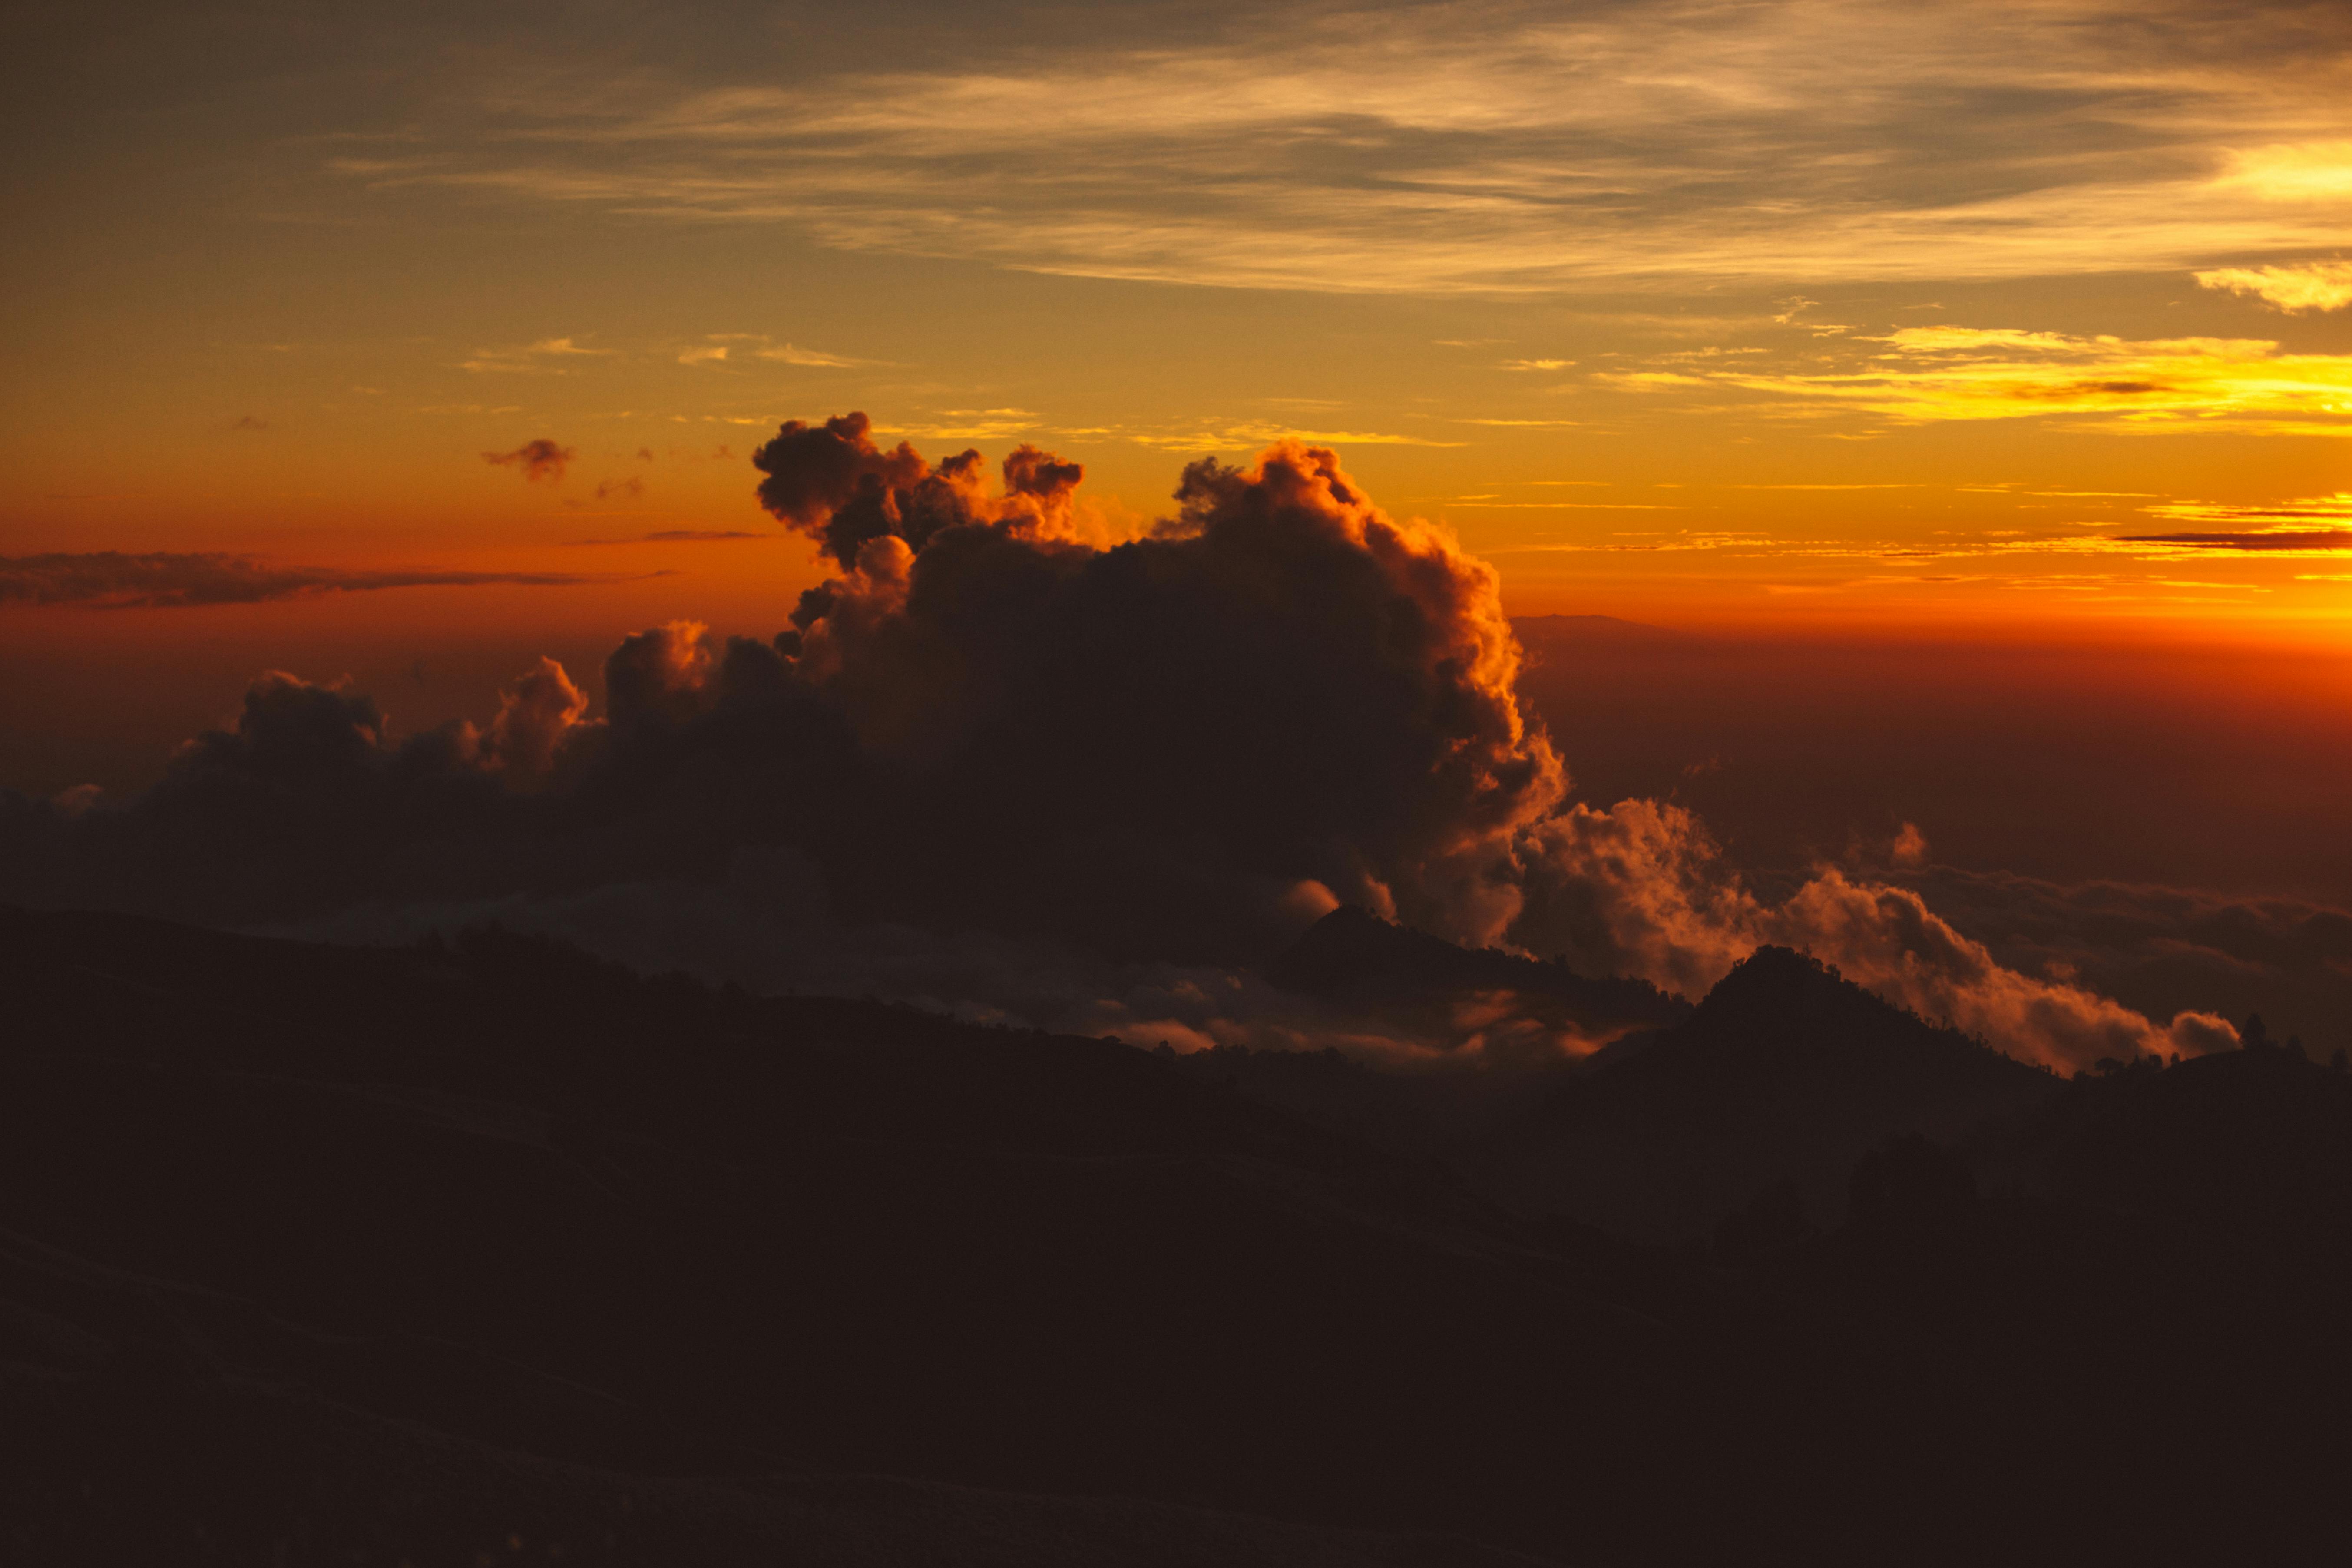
1839, 309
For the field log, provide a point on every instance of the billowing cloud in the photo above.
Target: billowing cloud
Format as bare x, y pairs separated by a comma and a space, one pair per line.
1642, 889
108, 579
1180, 750
833, 481
535, 715
539, 459
2159, 948
2310, 286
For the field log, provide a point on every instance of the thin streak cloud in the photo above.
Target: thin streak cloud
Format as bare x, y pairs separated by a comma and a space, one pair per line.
676, 536
108, 579
1952, 373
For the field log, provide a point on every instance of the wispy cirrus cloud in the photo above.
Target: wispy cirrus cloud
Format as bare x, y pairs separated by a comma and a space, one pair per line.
969, 425
2309, 285
677, 536
1226, 435
2320, 525
1939, 373
811, 359
1441, 148
2302, 541
1522, 423
108, 579
544, 357
722, 348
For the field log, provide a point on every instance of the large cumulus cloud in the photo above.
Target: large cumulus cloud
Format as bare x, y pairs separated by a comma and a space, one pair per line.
1180, 750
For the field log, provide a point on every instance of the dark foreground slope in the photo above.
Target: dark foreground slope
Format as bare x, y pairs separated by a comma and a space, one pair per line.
312, 1255
403, 1252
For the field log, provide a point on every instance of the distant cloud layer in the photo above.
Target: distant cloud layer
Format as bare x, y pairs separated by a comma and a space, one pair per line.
984, 730
169, 580
1438, 147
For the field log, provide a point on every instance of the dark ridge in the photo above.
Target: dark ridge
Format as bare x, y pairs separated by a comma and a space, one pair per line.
1785, 1072
1782, 1019
2214, 1140
476, 1251
1353, 956
403, 1251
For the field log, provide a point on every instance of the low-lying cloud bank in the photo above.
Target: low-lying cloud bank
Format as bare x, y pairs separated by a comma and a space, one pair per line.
1157, 763
107, 579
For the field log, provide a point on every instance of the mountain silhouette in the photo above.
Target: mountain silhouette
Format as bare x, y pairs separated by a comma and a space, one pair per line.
486, 1249
1511, 1022
302, 1244
1785, 1072
1351, 955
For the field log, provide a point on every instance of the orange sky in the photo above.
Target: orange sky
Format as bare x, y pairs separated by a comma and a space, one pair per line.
1851, 317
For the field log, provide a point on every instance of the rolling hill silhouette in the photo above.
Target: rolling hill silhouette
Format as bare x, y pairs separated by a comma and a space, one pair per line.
346, 1229
487, 1248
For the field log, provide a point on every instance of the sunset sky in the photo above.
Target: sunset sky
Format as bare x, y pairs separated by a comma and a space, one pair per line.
1701, 312
436, 340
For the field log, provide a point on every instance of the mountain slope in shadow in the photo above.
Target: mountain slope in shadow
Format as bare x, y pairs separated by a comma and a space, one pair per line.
1785, 1073
479, 1250
384, 1250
